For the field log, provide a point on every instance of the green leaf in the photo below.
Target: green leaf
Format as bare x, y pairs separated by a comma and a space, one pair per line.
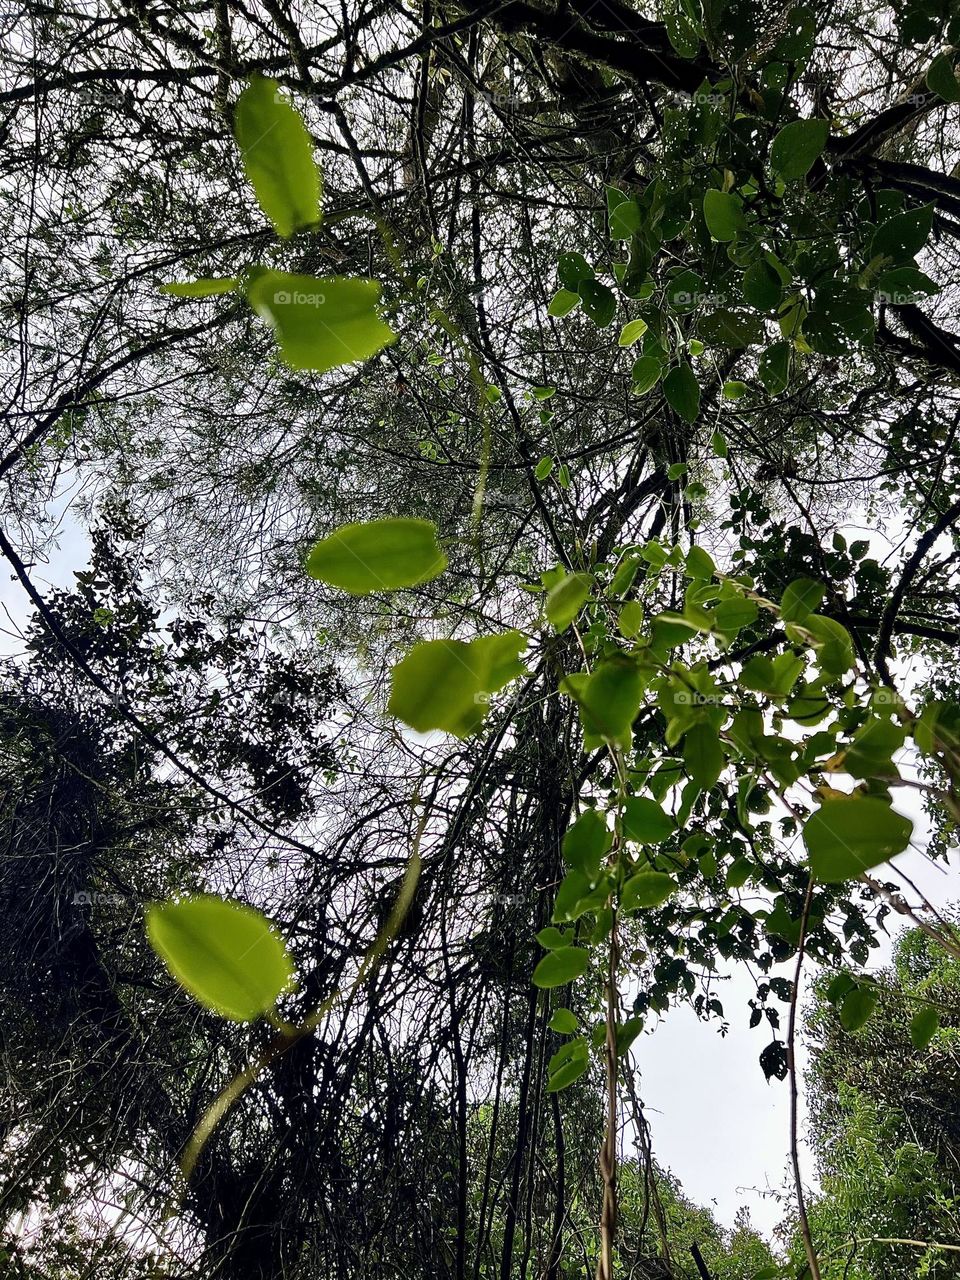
277, 156
797, 146
647, 889
734, 390
563, 1021
631, 332
762, 287
228, 956
552, 938
625, 220
857, 1008
627, 1032
849, 835
557, 968
703, 755
567, 598
774, 367
723, 213
923, 1026
206, 288
380, 555
735, 329
630, 620
585, 843
610, 698
445, 684
321, 322
645, 821
833, 644
645, 373
942, 78
573, 269
682, 391
903, 235
801, 597
733, 615
699, 565
567, 1065
599, 302
543, 468
562, 303
904, 286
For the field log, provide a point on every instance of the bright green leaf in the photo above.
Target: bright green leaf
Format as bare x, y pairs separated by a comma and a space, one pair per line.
849, 835
321, 322
647, 889
207, 288
227, 955
557, 968
567, 598
380, 555
277, 156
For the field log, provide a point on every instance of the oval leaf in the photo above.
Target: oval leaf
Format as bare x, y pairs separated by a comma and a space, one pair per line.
648, 889
557, 968
277, 156
380, 555
225, 954
797, 146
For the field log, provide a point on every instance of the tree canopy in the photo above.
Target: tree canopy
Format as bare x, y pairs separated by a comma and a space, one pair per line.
508, 452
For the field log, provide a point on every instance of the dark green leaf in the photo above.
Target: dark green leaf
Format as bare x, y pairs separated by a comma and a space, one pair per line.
648, 889
682, 392
797, 146
645, 821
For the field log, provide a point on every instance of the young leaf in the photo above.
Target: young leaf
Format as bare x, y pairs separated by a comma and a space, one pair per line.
801, 597
857, 1008
849, 835
321, 322
277, 156
226, 955
585, 843
206, 288
562, 303
380, 555
446, 684
645, 821
563, 1021
557, 968
632, 332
